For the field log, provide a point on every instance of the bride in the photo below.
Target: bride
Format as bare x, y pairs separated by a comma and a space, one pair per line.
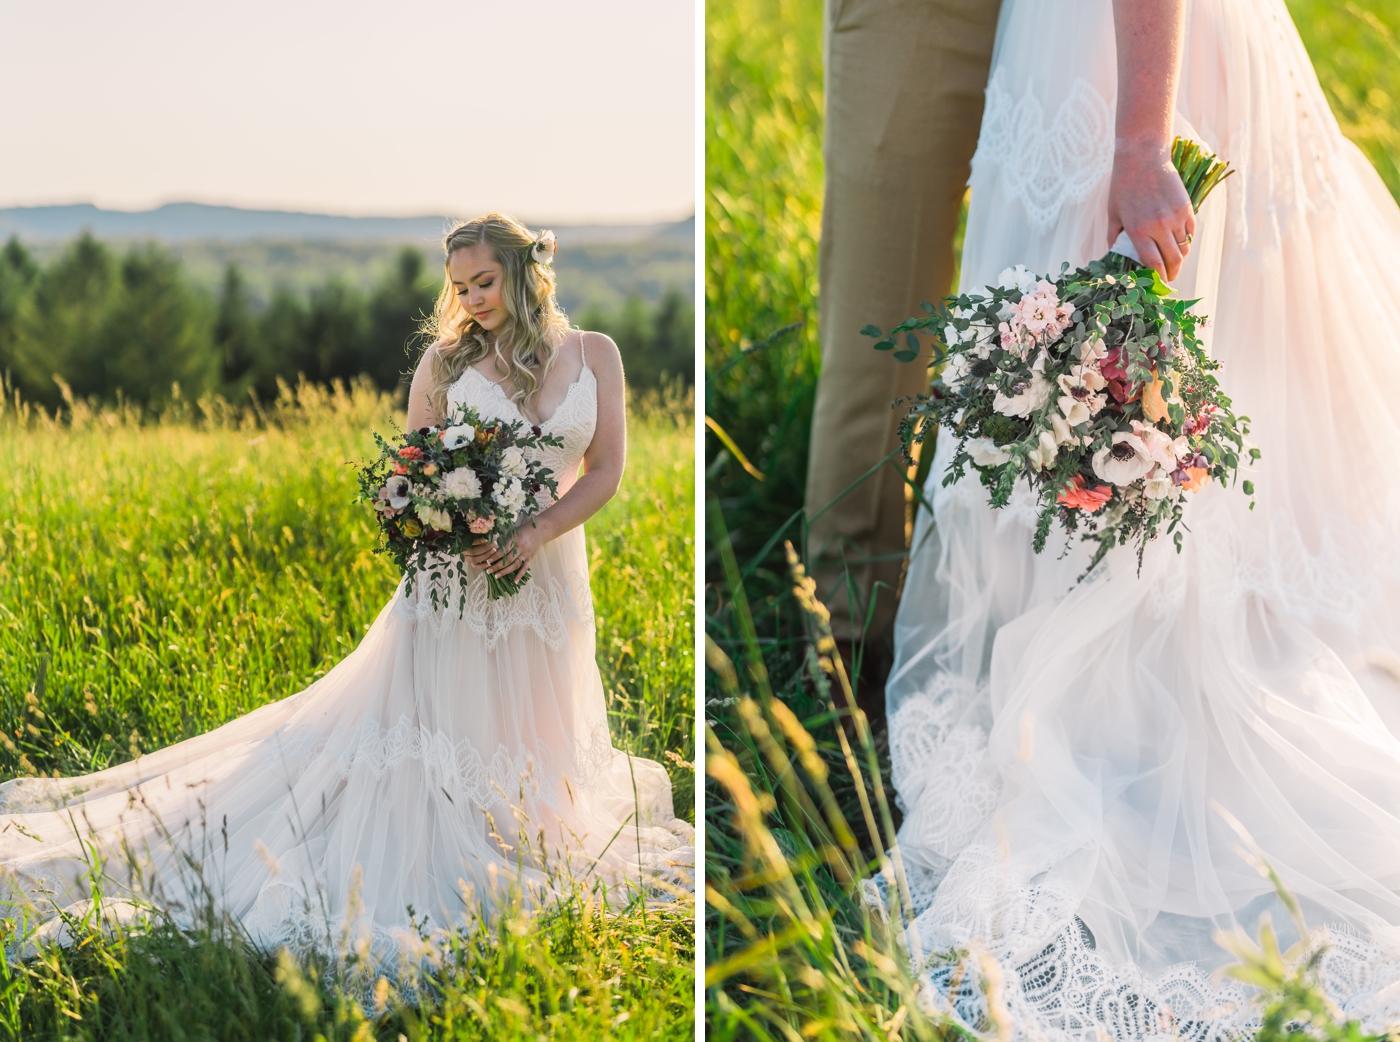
449, 757
1079, 764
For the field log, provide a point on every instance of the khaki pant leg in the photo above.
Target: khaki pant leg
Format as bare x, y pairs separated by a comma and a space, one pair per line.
904, 85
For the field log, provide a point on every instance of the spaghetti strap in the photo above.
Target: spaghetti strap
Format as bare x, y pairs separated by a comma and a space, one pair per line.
581, 353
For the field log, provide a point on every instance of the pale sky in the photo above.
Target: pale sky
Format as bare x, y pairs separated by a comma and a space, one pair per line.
567, 110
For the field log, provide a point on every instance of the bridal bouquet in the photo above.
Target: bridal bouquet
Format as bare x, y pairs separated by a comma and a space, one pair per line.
442, 488
1093, 386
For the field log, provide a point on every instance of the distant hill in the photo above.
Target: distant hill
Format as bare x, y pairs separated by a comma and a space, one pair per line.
182, 222
598, 264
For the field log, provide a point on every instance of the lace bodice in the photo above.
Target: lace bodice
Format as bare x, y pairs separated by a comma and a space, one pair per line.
558, 591
574, 420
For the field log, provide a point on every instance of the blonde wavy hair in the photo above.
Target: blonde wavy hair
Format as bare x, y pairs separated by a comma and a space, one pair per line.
534, 321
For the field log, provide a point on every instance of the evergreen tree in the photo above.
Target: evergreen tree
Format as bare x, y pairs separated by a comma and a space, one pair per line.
235, 335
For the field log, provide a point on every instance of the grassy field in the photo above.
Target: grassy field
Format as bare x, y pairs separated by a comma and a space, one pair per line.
789, 951
159, 579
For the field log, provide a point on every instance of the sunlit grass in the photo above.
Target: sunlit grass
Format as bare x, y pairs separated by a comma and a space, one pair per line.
159, 578
763, 204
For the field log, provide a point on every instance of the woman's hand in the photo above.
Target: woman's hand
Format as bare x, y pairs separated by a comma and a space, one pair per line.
1147, 200
512, 560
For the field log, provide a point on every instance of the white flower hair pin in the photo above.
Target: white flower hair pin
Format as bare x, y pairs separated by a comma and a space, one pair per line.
542, 252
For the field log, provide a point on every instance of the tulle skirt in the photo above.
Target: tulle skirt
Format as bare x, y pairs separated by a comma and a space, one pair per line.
1080, 762
457, 758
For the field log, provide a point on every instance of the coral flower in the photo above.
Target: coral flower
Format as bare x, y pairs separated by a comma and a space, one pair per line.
1078, 497
1196, 478
411, 452
1154, 405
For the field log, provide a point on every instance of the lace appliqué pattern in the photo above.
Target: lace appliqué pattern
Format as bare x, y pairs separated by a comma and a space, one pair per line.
1043, 165
542, 605
935, 764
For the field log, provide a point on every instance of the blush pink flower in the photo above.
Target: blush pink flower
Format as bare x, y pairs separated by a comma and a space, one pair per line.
1038, 317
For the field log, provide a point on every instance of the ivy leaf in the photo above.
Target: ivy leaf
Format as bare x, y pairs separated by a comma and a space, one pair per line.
869, 330
905, 356
885, 345
928, 308
913, 343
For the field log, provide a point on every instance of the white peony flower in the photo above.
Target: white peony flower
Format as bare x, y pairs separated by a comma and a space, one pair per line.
513, 462
461, 483
1044, 452
456, 437
1123, 462
397, 489
1027, 400
985, 453
509, 496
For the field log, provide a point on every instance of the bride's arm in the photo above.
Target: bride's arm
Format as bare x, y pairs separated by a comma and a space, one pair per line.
1146, 197
602, 463
420, 409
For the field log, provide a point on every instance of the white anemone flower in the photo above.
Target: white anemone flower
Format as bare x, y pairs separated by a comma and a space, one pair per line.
1124, 461
542, 252
1026, 400
456, 437
397, 489
986, 453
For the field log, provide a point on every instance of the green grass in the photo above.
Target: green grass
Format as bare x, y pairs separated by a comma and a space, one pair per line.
1355, 47
762, 222
763, 219
160, 579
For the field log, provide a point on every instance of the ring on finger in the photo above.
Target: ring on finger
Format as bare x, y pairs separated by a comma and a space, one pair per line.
1186, 241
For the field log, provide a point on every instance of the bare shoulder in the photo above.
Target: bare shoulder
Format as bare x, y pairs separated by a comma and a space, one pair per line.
602, 354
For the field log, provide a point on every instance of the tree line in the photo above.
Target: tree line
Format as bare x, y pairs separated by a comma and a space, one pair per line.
134, 324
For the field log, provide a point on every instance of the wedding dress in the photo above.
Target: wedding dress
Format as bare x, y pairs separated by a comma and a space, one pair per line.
1065, 754
404, 783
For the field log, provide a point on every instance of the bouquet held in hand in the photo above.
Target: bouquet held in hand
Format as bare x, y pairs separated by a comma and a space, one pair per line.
1093, 386
442, 489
